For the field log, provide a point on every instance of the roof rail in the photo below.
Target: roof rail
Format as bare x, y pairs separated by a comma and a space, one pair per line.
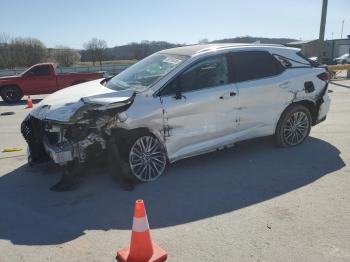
237, 45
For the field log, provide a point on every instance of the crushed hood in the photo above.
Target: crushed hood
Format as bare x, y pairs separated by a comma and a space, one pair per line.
62, 105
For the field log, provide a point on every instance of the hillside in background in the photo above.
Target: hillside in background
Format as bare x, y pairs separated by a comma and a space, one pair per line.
251, 39
132, 51
140, 50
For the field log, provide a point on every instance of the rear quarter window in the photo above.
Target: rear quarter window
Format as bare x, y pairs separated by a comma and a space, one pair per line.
252, 65
307, 60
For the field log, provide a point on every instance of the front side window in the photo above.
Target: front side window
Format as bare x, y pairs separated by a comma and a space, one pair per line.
145, 73
40, 71
209, 72
251, 65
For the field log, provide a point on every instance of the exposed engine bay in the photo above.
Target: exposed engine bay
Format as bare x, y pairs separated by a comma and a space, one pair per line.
83, 137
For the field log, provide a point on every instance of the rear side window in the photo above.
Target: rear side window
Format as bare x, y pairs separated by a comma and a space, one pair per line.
251, 65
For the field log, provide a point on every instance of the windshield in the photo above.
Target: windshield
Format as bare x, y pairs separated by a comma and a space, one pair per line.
145, 73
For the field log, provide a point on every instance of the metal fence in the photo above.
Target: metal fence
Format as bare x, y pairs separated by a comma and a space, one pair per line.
111, 69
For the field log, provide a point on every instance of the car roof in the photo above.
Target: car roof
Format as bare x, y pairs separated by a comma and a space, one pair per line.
191, 50
41, 64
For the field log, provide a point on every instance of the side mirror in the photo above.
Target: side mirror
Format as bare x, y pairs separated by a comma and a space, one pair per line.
178, 94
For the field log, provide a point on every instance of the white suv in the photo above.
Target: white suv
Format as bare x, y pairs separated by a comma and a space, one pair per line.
179, 103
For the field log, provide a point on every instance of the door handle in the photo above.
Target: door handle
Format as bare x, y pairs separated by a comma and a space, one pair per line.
231, 94
284, 85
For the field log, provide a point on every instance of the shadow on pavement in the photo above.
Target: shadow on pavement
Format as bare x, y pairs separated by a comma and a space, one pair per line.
191, 190
23, 102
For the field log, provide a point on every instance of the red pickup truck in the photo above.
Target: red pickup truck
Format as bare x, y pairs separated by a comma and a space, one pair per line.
40, 79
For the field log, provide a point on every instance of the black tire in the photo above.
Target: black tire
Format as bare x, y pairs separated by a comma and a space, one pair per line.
117, 164
11, 94
343, 62
286, 130
120, 157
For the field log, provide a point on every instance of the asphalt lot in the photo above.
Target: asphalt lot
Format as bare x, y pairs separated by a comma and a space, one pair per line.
253, 202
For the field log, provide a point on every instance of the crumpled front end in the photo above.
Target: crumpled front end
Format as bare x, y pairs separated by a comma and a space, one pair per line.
63, 143
74, 132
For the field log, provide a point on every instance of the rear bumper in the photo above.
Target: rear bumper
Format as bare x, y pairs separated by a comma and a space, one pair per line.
323, 109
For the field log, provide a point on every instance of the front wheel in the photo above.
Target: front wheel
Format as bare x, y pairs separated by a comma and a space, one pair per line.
11, 94
293, 127
141, 158
147, 158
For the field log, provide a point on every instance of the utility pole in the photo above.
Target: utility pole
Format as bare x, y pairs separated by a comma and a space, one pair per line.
322, 28
342, 27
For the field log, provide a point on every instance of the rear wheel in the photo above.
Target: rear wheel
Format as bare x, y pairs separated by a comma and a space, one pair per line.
294, 126
11, 94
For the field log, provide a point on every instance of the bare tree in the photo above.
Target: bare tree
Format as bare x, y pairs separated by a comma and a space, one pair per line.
65, 56
27, 51
20, 51
203, 41
89, 48
141, 50
96, 49
5, 56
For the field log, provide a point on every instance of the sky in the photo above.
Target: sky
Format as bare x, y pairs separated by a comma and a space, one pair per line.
74, 22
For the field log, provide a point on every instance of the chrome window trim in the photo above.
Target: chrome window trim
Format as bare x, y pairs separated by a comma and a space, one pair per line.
225, 52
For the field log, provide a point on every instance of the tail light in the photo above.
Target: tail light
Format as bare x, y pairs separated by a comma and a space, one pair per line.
326, 76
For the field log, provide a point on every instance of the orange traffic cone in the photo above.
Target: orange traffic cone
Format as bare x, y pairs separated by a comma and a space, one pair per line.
141, 248
29, 103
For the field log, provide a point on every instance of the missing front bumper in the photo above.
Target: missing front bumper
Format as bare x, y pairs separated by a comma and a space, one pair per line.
46, 141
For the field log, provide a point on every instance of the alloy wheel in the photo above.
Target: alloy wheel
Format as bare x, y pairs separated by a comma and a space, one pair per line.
296, 128
147, 158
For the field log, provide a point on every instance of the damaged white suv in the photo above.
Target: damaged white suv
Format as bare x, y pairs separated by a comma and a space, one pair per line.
179, 103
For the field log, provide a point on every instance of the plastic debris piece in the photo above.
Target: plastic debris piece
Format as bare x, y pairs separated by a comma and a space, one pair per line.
12, 149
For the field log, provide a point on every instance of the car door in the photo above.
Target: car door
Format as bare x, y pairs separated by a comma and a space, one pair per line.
199, 108
262, 87
40, 80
